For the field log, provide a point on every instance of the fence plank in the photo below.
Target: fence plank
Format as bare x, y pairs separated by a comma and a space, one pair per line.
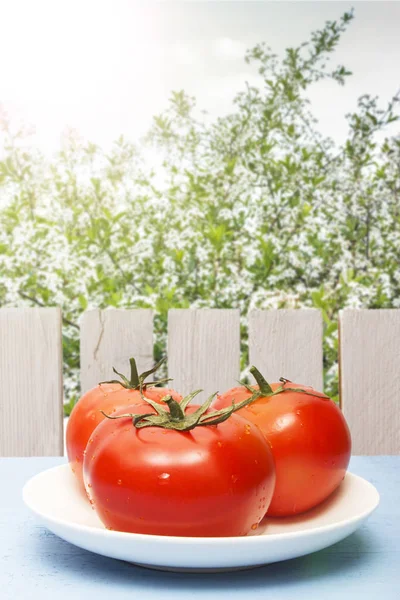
370, 378
287, 343
203, 349
109, 338
31, 395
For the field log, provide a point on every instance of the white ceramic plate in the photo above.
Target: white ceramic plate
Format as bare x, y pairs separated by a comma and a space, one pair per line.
53, 495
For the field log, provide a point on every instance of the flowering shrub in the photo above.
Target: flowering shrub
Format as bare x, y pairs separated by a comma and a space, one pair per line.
255, 209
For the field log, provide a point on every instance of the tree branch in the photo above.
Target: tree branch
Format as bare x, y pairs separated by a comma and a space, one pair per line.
39, 303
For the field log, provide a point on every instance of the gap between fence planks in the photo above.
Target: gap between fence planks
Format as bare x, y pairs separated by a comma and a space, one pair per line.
31, 395
370, 378
109, 338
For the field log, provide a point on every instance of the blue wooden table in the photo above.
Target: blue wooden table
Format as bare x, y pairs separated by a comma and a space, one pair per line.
36, 564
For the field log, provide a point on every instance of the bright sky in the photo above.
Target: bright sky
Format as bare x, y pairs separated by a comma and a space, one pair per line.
104, 67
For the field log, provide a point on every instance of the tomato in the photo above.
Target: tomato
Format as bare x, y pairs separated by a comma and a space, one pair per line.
212, 480
309, 438
108, 396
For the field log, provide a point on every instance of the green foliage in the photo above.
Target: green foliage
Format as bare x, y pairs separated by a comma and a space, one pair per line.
255, 209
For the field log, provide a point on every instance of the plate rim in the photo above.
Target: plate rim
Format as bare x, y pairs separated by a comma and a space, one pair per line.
166, 539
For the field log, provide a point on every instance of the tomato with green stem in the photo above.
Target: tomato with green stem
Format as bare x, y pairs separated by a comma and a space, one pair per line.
108, 396
309, 439
179, 471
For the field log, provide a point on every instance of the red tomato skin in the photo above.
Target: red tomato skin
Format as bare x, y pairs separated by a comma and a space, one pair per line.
86, 415
210, 481
310, 442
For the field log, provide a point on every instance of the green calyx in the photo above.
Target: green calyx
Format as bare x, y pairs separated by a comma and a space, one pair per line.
136, 381
176, 416
264, 389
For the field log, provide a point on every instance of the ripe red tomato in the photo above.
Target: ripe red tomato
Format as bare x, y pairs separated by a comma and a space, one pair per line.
310, 442
214, 480
108, 396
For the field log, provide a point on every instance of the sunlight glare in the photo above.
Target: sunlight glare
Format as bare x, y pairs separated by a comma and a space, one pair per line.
74, 64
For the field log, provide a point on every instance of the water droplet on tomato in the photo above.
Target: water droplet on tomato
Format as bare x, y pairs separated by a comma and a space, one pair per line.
93, 457
91, 441
164, 476
84, 453
119, 481
234, 478
254, 526
247, 429
107, 499
93, 416
219, 444
89, 485
256, 461
164, 432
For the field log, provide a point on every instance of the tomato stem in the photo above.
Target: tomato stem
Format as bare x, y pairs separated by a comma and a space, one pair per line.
267, 391
136, 381
134, 373
175, 410
265, 388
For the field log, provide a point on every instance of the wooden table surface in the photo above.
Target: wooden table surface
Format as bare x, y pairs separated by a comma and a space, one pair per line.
36, 564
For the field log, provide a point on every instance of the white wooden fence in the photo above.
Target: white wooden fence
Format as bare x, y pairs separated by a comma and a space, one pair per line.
203, 351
